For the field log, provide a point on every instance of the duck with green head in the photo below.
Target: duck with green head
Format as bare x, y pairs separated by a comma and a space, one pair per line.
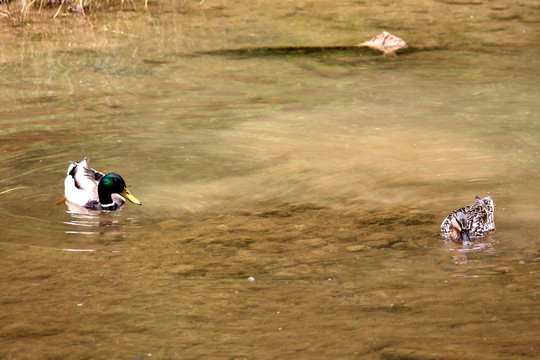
95, 190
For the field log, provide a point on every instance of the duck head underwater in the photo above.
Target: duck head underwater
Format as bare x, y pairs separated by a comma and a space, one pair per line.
470, 222
95, 190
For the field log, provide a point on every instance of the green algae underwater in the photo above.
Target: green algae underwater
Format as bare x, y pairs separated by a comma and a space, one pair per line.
293, 187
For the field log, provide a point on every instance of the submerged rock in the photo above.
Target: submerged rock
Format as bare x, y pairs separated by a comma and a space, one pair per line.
385, 42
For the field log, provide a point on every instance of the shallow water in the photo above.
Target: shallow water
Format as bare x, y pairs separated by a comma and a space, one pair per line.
291, 200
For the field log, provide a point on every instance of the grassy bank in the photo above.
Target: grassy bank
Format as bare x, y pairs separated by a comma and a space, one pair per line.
18, 12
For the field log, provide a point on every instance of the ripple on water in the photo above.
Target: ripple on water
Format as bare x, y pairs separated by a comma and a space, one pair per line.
101, 227
213, 133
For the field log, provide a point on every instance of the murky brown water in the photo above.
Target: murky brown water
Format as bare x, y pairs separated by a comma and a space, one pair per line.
291, 200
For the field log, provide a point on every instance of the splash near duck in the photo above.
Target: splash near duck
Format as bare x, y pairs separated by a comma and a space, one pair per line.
470, 222
95, 190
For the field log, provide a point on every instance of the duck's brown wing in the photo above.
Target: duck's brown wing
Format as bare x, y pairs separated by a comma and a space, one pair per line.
446, 227
480, 217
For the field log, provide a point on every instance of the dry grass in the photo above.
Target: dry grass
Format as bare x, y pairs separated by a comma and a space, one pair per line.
18, 12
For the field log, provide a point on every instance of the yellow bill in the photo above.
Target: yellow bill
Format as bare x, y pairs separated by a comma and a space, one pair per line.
125, 193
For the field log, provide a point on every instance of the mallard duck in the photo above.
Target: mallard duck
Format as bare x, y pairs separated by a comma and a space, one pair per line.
95, 190
470, 222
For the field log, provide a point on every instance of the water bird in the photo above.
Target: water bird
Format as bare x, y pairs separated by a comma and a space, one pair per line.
470, 222
95, 190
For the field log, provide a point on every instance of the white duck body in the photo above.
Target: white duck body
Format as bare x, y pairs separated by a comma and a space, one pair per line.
81, 188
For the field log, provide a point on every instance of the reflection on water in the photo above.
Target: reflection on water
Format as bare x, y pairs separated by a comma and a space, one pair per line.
322, 177
102, 225
460, 253
88, 221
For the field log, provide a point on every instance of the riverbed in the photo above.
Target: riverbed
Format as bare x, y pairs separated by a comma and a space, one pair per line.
291, 198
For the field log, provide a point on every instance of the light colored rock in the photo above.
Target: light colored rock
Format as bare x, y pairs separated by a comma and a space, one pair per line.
385, 42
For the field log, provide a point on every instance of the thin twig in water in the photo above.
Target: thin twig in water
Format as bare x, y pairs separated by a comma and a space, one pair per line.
9, 190
82, 7
58, 11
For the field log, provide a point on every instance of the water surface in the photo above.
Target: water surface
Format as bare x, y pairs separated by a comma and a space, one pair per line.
291, 201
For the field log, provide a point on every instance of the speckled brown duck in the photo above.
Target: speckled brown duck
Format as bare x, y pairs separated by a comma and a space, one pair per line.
470, 222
